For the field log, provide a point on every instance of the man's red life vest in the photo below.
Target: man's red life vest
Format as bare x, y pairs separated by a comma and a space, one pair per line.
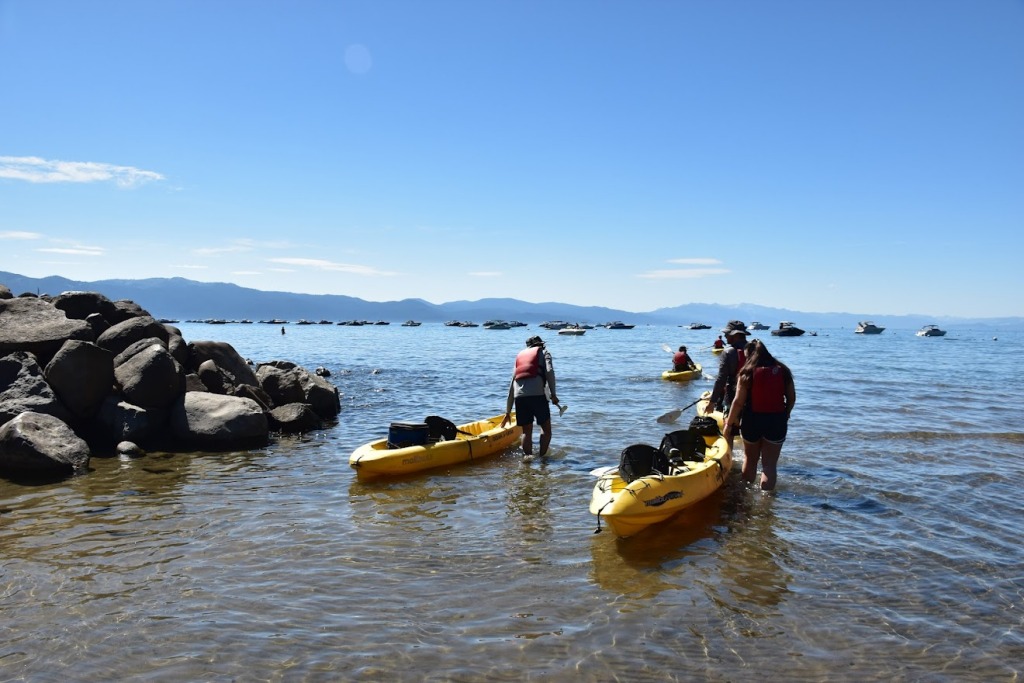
768, 390
680, 360
528, 362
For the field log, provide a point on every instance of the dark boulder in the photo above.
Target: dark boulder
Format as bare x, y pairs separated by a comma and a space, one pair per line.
213, 422
24, 388
80, 305
125, 333
82, 375
37, 445
150, 377
226, 358
32, 324
294, 417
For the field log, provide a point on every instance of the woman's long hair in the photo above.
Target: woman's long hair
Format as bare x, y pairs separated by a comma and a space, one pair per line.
758, 356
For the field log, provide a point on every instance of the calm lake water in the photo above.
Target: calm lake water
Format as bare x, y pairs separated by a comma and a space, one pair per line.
891, 549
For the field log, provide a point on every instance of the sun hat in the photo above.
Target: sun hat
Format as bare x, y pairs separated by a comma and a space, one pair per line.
734, 327
535, 341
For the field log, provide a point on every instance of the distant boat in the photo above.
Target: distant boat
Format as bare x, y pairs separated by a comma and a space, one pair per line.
554, 324
868, 327
411, 323
497, 325
931, 331
787, 329
573, 331
699, 326
382, 322
619, 325
758, 326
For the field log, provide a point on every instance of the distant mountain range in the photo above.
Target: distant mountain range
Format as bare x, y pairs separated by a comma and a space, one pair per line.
181, 299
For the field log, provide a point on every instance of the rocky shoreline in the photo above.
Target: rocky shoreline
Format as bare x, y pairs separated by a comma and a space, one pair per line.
82, 376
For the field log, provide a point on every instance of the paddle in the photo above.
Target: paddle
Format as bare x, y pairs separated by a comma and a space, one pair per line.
673, 415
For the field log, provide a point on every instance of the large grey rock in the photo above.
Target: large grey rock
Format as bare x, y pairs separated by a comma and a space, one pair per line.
80, 305
125, 333
226, 358
23, 388
321, 395
294, 417
120, 420
32, 324
124, 309
5, 292
283, 386
82, 375
150, 378
33, 444
215, 422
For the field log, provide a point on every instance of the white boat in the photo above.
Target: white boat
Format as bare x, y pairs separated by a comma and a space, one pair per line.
931, 331
868, 327
758, 326
574, 331
411, 323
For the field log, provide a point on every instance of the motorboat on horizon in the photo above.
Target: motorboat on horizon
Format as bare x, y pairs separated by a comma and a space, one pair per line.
787, 329
930, 331
868, 327
758, 326
699, 326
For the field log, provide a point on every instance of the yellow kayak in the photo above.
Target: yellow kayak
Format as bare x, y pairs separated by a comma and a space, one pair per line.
718, 351
475, 440
630, 508
717, 414
683, 375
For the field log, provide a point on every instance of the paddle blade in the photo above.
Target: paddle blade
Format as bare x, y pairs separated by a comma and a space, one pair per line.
667, 349
562, 409
603, 471
671, 416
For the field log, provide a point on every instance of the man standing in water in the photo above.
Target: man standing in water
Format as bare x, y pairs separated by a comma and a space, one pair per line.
732, 360
533, 374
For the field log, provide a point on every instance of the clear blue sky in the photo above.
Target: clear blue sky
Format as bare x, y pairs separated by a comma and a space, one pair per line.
820, 155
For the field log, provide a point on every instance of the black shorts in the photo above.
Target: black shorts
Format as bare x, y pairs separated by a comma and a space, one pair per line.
530, 408
768, 426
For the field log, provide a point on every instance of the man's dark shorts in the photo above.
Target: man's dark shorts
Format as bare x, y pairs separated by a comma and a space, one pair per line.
530, 408
771, 427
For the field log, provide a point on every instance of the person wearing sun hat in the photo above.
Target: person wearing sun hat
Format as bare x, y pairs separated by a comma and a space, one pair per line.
533, 379
728, 367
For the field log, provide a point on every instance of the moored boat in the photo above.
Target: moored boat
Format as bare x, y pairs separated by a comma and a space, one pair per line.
930, 331
699, 326
474, 440
572, 331
683, 375
411, 323
787, 329
618, 325
868, 327
758, 326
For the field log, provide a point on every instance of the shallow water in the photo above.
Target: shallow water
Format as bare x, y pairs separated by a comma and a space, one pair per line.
890, 549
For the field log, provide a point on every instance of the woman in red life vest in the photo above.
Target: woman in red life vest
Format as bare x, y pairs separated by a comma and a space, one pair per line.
532, 381
765, 395
681, 361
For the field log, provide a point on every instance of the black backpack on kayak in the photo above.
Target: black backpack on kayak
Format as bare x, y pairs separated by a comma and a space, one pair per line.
704, 426
440, 429
641, 460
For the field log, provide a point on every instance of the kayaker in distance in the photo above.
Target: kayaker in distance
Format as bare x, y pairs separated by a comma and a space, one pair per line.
533, 372
732, 360
681, 361
765, 396
718, 343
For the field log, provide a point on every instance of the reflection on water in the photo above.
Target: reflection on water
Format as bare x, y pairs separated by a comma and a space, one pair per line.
889, 551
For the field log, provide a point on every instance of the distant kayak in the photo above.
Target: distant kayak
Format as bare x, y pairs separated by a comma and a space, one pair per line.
718, 351
683, 375
475, 440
